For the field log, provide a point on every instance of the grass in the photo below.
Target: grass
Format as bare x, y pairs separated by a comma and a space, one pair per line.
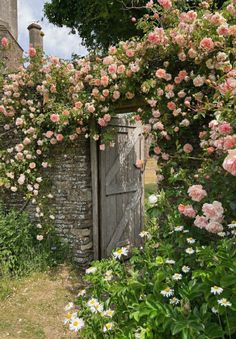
33, 307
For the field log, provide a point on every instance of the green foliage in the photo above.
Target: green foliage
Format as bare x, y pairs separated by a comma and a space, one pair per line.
20, 251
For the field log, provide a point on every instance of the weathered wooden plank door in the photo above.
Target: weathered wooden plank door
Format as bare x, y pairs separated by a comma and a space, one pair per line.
121, 187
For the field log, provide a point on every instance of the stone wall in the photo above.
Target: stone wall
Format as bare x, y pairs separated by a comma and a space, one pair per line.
69, 181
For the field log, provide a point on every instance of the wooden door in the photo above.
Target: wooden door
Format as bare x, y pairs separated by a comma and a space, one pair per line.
121, 187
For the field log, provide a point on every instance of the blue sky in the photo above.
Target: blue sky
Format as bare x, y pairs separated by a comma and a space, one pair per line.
57, 41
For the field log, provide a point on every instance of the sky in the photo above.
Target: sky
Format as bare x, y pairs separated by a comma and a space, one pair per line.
57, 40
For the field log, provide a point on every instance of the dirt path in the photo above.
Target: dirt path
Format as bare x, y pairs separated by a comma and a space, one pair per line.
35, 310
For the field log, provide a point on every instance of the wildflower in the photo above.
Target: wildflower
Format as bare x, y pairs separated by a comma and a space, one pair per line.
177, 276
39, 237
107, 327
167, 292
91, 270
81, 293
108, 313
69, 306
185, 269
232, 225
170, 261
189, 250
120, 251
191, 240
153, 199
221, 234
224, 302
76, 324
216, 290
179, 228
214, 310
174, 301
145, 234
97, 308
69, 317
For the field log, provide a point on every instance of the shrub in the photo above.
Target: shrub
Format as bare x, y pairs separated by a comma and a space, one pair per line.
20, 251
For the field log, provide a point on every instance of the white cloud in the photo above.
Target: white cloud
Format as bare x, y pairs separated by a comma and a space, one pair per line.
57, 40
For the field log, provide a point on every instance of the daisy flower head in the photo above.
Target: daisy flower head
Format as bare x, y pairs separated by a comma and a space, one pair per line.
179, 228
221, 234
108, 313
232, 224
167, 292
69, 306
174, 301
170, 261
69, 317
177, 276
108, 327
98, 308
81, 293
92, 302
76, 324
185, 269
216, 290
224, 302
119, 252
189, 250
190, 240
91, 270
145, 234
214, 310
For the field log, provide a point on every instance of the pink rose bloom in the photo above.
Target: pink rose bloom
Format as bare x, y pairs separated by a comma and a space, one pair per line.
199, 81
102, 122
210, 150
157, 150
159, 125
225, 128
200, 221
116, 95
55, 117
59, 137
214, 227
166, 4
78, 104
19, 122
108, 60
121, 69
157, 37
207, 44
197, 193
21, 179
223, 30
49, 134
171, 105
130, 53
4, 42
104, 80
188, 148
161, 73
112, 68
213, 211
187, 210
229, 142
107, 117
229, 163
66, 113
102, 147
32, 165
32, 52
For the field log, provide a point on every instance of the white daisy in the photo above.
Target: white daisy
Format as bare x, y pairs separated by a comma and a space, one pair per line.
224, 302
91, 270
107, 327
145, 234
177, 276
216, 290
191, 240
69, 317
81, 293
120, 251
69, 306
232, 225
97, 308
170, 261
174, 301
92, 302
189, 250
167, 292
214, 310
185, 269
221, 234
76, 324
179, 228
108, 313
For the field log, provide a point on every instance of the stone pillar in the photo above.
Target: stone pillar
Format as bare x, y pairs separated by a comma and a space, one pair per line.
8, 14
36, 35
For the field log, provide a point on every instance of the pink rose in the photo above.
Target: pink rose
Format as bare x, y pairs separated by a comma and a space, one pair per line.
161, 73
104, 80
102, 122
229, 142
166, 4
200, 221
229, 163
187, 210
59, 137
197, 193
49, 134
21, 179
225, 128
207, 44
32, 52
188, 148
198, 81
213, 211
55, 117
102, 147
116, 95
78, 104
107, 117
4, 42
112, 68
214, 227
171, 105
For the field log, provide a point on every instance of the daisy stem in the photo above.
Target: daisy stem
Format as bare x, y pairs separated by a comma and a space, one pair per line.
227, 321
221, 325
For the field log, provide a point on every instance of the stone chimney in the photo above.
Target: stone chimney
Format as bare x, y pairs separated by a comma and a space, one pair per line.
36, 35
8, 15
